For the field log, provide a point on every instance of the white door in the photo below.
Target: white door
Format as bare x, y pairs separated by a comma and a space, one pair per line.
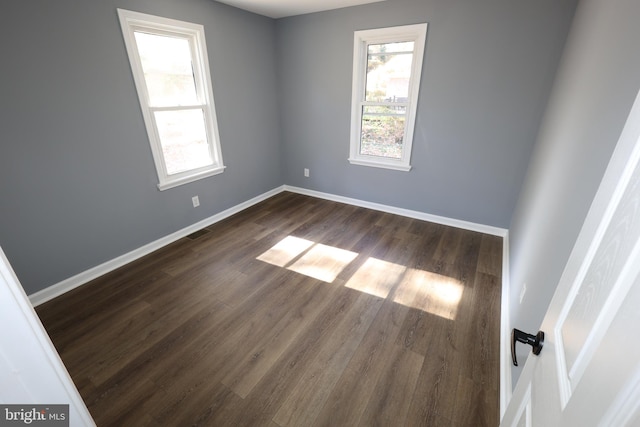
31, 372
588, 372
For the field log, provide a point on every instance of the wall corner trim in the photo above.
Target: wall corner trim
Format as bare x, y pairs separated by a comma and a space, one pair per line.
506, 386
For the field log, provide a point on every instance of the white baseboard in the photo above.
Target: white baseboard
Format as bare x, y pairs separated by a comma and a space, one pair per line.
472, 226
60, 288
506, 385
80, 279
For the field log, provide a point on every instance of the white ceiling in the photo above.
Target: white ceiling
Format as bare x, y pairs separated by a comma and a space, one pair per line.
283, 8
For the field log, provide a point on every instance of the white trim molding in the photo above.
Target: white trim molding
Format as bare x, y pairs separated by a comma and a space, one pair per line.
200, 104
80, 279
466, 225
506, 382
392, 106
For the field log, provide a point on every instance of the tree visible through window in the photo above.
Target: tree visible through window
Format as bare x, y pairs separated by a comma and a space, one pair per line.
169, 63
387, 64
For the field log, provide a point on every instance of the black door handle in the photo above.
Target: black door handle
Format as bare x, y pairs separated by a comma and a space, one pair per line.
535, 341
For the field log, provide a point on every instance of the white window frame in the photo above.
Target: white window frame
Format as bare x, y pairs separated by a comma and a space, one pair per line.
362, 39
134, 21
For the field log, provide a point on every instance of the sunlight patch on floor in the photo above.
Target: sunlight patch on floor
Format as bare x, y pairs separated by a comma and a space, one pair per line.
424, 290
376, 277
430, 292
323, 262
283, 252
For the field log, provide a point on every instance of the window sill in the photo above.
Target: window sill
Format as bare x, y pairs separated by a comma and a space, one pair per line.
175, 182
381, 164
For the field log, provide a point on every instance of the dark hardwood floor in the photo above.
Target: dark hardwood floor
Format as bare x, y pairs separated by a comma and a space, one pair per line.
295, 312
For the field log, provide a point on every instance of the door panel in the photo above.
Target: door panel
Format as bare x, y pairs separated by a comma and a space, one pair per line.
523, 415
31, 372
594, 301
588, 372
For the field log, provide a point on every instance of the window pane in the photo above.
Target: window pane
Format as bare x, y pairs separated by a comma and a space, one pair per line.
166, 62
386, 110
183, 139
390, 47
388, 74
382, 135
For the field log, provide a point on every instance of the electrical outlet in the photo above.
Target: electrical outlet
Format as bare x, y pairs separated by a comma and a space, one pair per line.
196, 201
306, 172
523, 291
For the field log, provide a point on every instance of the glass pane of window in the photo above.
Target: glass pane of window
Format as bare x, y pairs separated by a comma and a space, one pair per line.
388, 73
382, 135
166, 62
184, 140
390, 47
386, 110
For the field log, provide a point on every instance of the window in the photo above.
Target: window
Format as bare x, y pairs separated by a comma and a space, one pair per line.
386, 76
171, 72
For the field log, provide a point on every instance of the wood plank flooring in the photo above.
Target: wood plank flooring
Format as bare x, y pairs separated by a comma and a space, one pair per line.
294, 312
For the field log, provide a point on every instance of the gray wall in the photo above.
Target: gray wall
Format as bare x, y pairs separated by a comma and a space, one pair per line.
597, 82
77, 180
489, 67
